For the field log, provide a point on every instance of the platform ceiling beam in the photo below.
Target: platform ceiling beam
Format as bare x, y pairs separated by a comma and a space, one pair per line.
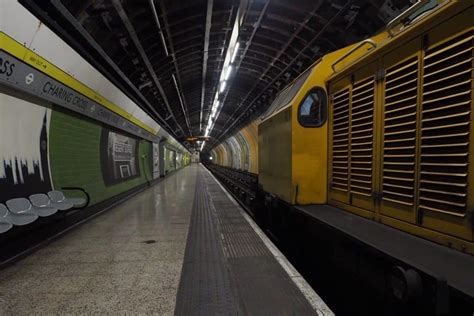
131, 32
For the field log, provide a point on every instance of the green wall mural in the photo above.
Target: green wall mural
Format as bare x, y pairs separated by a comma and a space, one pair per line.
170, 160
74, 151
55, 148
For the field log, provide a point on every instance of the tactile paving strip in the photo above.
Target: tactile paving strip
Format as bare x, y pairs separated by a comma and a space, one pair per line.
205, 287
227, 268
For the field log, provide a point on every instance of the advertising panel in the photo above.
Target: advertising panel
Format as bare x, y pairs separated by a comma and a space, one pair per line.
119, 156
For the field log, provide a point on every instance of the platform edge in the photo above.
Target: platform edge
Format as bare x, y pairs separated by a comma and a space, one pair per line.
313, 298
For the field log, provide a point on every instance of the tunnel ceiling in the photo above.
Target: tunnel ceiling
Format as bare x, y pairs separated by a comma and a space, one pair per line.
156, 51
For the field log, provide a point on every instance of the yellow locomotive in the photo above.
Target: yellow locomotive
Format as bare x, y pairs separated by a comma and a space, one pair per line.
371, 148
383, 128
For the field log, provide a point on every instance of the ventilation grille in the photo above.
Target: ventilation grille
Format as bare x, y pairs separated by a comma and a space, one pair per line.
362, 120
340, 141
446, 123
401, 90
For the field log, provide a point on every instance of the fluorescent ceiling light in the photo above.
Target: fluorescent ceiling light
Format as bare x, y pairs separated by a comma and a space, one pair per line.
234, 53
157, 20
222, 86
229, 71
226, 72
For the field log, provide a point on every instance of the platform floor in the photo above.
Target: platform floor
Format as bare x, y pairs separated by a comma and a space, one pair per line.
182, 247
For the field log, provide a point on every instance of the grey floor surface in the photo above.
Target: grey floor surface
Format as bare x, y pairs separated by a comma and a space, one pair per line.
138, 258
228, 269
105, 266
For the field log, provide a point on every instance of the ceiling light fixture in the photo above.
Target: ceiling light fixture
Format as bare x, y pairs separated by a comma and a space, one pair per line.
234, 52
222, 86
157, 20
229, 71
226, 72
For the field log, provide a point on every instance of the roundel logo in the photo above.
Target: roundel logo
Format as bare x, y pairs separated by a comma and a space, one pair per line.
29, 78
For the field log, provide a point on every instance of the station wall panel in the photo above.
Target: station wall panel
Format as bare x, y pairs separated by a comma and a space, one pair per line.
45, 147
170, 160
75, 157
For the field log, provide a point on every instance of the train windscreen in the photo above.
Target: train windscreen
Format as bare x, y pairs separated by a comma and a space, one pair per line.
285, 96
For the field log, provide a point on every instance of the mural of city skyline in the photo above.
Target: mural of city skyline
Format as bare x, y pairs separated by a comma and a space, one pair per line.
24, 168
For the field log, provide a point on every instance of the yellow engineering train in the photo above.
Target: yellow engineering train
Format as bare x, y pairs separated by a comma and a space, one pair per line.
383, 129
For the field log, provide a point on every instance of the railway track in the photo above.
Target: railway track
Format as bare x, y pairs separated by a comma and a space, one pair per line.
241, 184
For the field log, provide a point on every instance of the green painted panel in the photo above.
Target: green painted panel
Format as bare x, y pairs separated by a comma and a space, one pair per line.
170, 160
74, 151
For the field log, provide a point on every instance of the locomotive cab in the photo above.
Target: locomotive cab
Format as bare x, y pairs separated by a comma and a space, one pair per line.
297, 119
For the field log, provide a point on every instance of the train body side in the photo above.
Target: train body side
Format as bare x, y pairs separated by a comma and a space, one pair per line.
409, 166
404, 158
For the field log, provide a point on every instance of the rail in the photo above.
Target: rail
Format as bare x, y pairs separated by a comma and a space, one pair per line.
243, 184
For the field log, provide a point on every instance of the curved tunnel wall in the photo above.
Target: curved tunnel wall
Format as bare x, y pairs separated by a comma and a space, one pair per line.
235, 152
239, 151
228, 153
76, 157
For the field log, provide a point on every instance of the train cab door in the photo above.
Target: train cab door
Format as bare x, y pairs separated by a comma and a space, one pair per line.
400, 98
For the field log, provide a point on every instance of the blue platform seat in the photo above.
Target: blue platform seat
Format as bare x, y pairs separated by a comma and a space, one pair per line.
64, 203
5, 223
21, 212
42, 206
